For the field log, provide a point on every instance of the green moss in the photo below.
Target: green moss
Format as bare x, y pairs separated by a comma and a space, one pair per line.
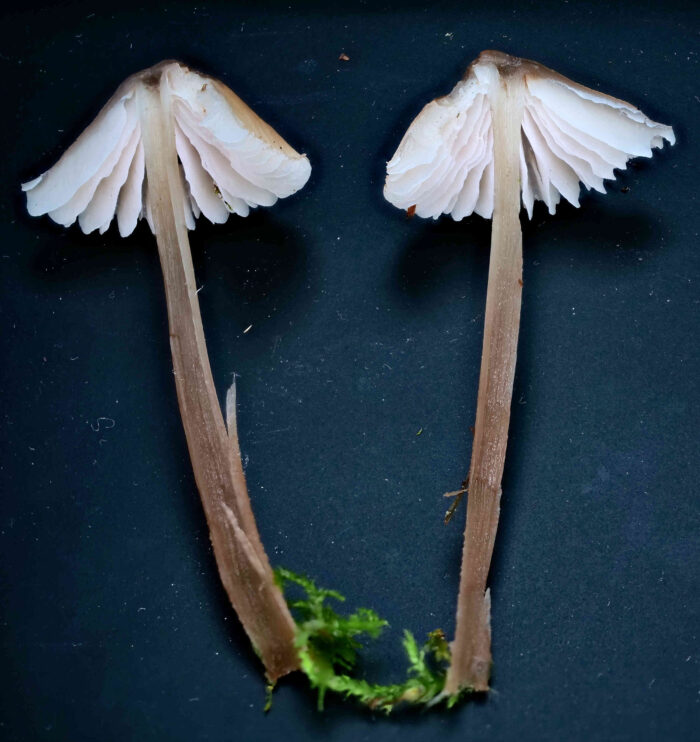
328, 645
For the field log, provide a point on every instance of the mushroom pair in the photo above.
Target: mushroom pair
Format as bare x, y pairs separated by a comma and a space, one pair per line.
172, 144
510, 131
169, 145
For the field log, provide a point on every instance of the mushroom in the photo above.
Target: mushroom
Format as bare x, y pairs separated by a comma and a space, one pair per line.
169, 145
510, 129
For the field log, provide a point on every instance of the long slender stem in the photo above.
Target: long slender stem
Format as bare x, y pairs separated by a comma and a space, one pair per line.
240, 556
471, 650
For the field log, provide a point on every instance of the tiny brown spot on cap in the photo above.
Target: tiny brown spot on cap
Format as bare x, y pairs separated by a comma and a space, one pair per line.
520, 282
411, 211
151, 79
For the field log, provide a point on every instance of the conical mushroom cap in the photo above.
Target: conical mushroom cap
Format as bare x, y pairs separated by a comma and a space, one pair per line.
230, 159
570, 135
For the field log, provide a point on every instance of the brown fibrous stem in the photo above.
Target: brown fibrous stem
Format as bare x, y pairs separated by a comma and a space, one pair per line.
471, 650
243, 565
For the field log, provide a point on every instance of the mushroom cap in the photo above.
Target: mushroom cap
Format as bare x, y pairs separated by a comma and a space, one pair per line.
230, 159
570, 135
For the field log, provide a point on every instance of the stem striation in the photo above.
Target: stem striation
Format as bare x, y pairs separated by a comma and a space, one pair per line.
214, 451
471, 649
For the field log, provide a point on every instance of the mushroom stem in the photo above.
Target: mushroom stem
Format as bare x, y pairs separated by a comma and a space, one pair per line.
471, 653
243, 565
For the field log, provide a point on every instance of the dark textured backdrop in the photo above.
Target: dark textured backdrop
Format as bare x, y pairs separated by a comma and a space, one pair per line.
366, 328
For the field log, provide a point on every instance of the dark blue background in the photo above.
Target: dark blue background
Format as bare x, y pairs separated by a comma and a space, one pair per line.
366, 328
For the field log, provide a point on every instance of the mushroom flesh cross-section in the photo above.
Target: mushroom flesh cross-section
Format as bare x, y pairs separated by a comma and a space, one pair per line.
172, 144
510, 131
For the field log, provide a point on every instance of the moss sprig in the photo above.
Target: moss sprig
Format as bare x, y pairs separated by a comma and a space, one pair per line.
328, 645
